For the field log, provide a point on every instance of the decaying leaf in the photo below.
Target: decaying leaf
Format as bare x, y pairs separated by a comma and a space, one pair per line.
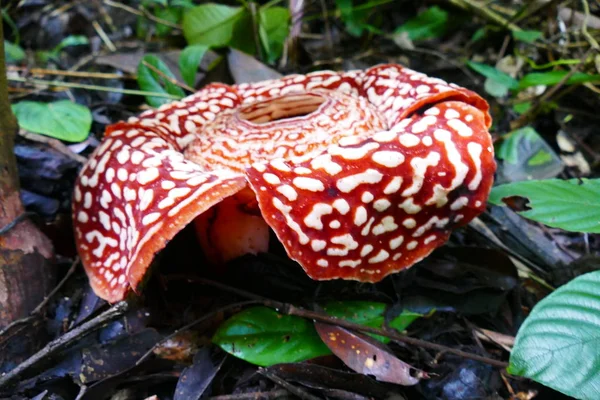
367, 356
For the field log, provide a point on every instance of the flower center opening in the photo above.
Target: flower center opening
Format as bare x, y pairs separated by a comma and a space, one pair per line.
281, 108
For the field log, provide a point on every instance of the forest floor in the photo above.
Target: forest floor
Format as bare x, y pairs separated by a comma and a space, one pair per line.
537, 64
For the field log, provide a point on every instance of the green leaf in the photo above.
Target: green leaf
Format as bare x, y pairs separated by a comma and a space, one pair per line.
527, 36
553, 77
263, 337
189, 60
159, 2
369, 313
479, 34
572, 205
152, 81
521, 108
13, 52
495, 88
428, 24
352, 20
72, 40
212, 24
171, 14
494, 74
273, 29
62, 119
558, 345
527, 156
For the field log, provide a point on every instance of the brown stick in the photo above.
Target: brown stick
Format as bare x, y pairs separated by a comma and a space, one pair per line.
64, 341
289, 309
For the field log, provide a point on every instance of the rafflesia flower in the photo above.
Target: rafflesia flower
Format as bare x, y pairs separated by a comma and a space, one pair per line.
360, 174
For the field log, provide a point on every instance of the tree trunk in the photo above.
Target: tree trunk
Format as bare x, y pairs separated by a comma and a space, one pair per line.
25, 253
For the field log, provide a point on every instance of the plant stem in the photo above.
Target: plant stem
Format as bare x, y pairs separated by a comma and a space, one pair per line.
39, 82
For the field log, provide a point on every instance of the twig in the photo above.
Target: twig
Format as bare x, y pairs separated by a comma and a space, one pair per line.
60, 72
60, 284
42, 304
535, 106
485, 12
273, 394
289, 309
295, 390
44, 83
584, 31
64, 341
328, 35
143, 13
20, 218
103, 36
54, 143
255, 30
193, 323
165, 76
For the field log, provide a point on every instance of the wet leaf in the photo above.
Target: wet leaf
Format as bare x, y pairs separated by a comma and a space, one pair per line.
365, 355
558, 344
317, 376
263, 337
195, 379
428, 24
527, 156
189, 60
103, 361
61, 119
572, 205
153, 81
469, 280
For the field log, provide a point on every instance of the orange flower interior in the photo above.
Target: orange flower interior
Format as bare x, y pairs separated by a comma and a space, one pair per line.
360, 174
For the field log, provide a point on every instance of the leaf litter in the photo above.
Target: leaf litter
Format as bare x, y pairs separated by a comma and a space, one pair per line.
472, 285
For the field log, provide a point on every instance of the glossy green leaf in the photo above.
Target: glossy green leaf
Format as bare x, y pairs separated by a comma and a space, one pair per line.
62, 119
428, 24
527, 36
13, 52
214, 25
558, 345
261, 336
494, 74
369, 313
274, 29
553, 77
572, 205
189, 60
152, 81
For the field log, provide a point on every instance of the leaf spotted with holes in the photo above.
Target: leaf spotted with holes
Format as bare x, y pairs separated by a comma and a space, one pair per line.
366, 356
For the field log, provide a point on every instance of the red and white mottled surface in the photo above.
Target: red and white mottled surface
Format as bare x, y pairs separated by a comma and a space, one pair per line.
360, 174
